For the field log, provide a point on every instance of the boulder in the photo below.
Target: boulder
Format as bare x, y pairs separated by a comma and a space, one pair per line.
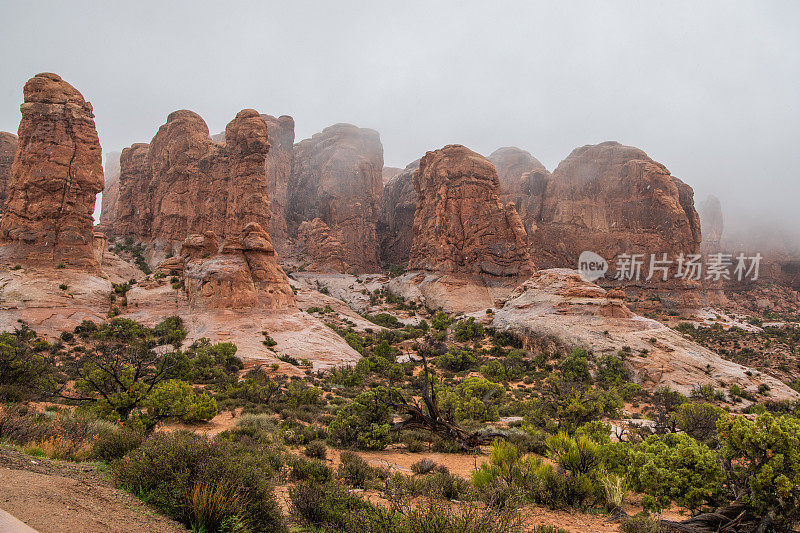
244, 273
55, 177
336, 177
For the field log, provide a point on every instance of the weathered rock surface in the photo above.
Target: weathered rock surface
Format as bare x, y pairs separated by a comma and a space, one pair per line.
523, 180
336, 178
183, 182
243, 273
460, 226
280, 133
613, 199
108, 210
710, 212
388, 173
55, 177
557, 306
396, 218
8, 147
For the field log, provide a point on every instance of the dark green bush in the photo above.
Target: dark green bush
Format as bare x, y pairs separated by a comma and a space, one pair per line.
189, 476
117, 443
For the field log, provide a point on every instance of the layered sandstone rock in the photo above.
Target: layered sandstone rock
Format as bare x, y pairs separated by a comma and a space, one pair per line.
523, 180
396, 219
336, 177
460, 226
55, 177
183, 182
613, 199
108, 211
243, 273
8, 147
710, 211
280, 132
557, 305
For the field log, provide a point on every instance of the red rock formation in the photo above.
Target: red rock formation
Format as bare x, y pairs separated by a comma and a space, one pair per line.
336, 177
388, 173
56, 175
613, 199
523, 180
396, 219
460, 226
280, 132
183, 182
8, 147
244, 273
108, 211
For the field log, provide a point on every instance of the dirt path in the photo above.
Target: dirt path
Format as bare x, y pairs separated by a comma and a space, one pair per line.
55, 496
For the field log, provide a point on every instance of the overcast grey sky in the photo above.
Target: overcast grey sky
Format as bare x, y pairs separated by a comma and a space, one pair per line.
710, 89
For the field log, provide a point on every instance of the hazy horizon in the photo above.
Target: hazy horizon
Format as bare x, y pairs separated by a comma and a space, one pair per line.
708, 90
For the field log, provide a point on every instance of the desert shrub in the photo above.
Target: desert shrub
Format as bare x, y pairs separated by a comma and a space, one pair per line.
385, 319
310, 470
763, 458
354, 469
423, 466
329, 506
25, 373
467, 330
184, 475
575, 367
364, 422
316, 449
170, 331
675, 468
642, 523
441, 321
473, 398
115, 444
457, 359
58, 434
611, 370
443, 484
698, 420
332, 508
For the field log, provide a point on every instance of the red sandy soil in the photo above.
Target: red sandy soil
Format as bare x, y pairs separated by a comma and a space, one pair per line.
55, 496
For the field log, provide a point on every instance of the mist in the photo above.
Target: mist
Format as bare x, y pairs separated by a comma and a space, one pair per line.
710, 90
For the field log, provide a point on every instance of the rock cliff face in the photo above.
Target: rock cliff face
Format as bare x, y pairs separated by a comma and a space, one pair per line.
710, 211
460, 226
523, 180
183, 182
280, 132
613, 199
55, 177
388, 173
8, 147
396, 219
336, 177
243, 273
108, 212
